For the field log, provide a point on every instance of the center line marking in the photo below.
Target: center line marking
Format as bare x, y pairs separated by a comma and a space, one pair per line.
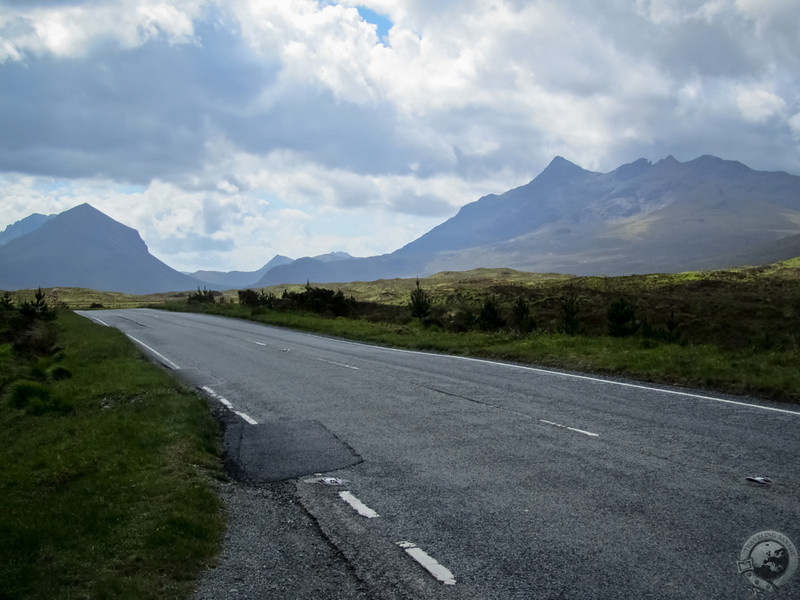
338, 364
358, 505
429, 563
257, 343
589, 433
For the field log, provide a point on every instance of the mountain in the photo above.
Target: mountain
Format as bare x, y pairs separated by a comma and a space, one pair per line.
642, 217
239, 279
25, 226
82, 247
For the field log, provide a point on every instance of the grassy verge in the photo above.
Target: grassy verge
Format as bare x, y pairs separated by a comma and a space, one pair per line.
748, 369
106, 490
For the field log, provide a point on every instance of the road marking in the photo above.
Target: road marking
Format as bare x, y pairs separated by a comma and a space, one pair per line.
429, 563
589, 433
246, 417
358, 506
513, 412
338, 364
589, 378
257, 343
100, 321
163, 358
226, 403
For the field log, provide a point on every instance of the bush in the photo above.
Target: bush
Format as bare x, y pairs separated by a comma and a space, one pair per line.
521, 316
35, 399
621, 317
570, 324
420, 303
203, 296
489, 318
248, 298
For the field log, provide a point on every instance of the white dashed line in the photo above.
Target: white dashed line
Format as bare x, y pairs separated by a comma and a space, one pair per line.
589, 433
338, 364
358, 506
429, 563
257, 343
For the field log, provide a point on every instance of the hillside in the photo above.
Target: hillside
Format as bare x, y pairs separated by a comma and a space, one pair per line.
642, 217
82, 247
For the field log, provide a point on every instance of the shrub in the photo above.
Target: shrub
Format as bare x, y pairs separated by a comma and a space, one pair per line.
570, 324
248, 298
420, 303
521, 316
22, 392
203, 296
621, 318
489, 318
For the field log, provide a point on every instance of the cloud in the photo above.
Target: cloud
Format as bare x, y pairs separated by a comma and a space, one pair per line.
221, 128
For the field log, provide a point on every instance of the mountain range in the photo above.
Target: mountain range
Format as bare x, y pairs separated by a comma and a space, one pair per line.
642, 217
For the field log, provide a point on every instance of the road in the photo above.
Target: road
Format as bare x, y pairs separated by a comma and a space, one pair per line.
479, 479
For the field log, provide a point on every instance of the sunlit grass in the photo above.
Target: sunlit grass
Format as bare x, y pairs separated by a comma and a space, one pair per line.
114, 499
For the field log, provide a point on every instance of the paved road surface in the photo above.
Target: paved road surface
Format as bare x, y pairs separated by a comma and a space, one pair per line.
492, 480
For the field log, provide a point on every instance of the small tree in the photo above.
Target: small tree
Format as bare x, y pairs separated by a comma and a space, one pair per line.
521, 314
420, 303
203, 296
248, 298
569, 314
489, 318
621, 318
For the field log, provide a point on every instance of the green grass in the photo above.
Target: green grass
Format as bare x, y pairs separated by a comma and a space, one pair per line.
738, 329
113, 497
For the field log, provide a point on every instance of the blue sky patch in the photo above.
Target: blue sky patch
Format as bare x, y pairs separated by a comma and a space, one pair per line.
382, 22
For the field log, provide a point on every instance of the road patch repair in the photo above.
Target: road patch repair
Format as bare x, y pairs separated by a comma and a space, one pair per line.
284, 449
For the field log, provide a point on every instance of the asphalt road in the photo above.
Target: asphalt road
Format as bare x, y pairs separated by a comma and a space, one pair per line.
460, 478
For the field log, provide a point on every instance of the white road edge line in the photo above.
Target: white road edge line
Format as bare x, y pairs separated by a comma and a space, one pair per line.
163, 358
358, 506
429, 563
226, 403
590, 378
246, 417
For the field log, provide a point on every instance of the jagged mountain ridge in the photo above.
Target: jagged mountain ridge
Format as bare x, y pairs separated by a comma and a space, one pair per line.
642, 217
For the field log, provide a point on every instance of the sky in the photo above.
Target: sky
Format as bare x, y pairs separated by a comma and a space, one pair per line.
229, 131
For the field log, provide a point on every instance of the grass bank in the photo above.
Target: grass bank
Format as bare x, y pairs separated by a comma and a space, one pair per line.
753, 370
106, 476
734, 330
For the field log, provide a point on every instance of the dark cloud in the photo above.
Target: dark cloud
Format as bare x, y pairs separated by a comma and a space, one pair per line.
131, 115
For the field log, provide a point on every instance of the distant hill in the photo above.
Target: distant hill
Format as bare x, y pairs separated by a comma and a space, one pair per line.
640, 218
24, 227
240, 279
82, 247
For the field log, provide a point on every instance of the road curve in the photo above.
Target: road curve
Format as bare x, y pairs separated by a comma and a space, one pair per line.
490, 480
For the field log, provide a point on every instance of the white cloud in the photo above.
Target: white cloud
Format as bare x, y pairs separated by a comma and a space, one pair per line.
249, 127
758, 106
71, 30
